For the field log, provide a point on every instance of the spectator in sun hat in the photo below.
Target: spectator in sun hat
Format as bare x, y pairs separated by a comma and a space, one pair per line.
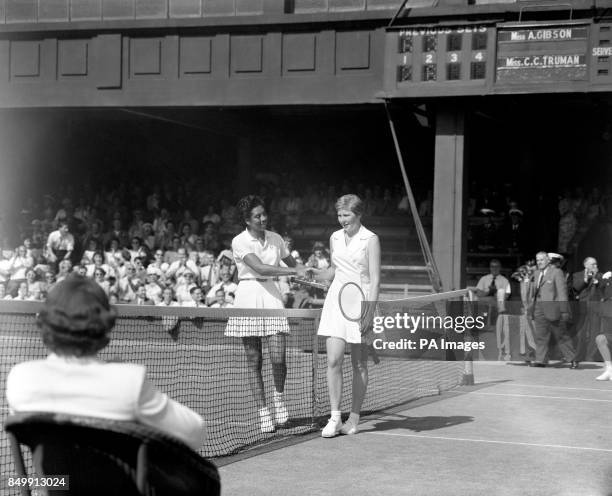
182, 289
153, 287
75, 324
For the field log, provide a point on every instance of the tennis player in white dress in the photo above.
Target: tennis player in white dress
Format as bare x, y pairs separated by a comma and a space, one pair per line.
258, 253
355, 257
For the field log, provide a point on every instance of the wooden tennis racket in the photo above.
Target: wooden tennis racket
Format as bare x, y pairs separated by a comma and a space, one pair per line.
311, 283
355, 308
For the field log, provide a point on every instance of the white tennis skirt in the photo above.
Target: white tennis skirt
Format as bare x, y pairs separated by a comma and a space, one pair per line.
256, 294
333, 323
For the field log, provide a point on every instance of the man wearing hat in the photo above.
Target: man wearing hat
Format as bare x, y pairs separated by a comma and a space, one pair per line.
550, 310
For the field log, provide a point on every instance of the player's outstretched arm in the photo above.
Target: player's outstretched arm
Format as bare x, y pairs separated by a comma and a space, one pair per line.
266, 270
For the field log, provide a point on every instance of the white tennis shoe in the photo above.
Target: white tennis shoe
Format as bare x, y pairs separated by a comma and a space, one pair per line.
349, 428
281, 415
265, 419
606, 376
332, 429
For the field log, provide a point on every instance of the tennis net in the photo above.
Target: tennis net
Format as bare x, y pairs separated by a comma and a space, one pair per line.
189, 357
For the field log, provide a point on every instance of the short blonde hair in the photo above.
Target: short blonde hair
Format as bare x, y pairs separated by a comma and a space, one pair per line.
350, 202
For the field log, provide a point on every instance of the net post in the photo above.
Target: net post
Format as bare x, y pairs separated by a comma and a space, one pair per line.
468, 362
315, 377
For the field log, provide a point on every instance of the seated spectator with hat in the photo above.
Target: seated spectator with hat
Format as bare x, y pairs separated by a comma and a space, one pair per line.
75, 324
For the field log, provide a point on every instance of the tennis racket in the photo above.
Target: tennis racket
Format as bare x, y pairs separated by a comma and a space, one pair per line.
311, 283
355, 308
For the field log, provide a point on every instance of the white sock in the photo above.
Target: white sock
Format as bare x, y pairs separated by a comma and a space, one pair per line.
608, 365
336, 415
278, 396
354, 418
264, 412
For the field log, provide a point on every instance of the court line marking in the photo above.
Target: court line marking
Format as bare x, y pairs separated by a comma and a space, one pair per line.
573, 398
490, 441
554, 387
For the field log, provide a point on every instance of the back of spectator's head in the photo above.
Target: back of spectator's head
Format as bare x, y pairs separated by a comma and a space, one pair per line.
76, 318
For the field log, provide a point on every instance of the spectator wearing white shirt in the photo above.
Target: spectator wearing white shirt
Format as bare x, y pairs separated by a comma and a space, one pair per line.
60, 244
225, 283
158, 263
494, 283
18, 266
196, 298
153, 288
209, 270
75, 324
183, 287
179, 267
168, 299
98, 263
22, 292
219, 301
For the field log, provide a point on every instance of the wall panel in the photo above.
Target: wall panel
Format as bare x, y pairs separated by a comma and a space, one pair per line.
195, 55
246, 54
145, 57
299, 52
25, 59
73, 58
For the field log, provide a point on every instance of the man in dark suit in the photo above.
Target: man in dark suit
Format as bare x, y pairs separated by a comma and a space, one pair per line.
550, 311
587, 286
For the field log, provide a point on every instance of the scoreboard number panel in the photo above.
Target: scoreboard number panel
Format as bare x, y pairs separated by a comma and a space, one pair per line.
442, 54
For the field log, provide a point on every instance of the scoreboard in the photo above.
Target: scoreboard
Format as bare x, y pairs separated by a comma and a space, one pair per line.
434, 59
527, 54
479, 59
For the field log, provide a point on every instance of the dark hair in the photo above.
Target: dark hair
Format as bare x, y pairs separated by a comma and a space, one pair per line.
247, 204
76, 319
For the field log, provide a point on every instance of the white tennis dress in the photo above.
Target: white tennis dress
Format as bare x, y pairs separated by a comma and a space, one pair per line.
255, 290
351, 264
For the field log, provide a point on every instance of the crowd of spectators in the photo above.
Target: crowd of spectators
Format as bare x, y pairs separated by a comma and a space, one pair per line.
146, 246
499, 224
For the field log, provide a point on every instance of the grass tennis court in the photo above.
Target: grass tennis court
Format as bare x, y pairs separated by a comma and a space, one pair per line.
519, 431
